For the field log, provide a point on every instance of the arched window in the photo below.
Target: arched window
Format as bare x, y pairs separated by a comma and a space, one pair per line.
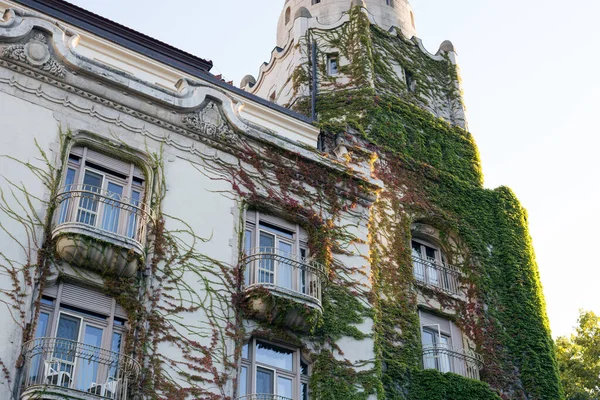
288, 14
431, 268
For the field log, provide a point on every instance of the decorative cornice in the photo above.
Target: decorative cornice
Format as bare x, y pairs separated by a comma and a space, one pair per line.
35, 53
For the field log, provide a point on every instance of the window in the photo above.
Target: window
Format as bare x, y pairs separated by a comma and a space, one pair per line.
426, 259
411, 84
288, 13
432, 337
268, 369
281, 247
389, 3
332, 64
431, 268
443, 347
315, 2
78, 340
102, 192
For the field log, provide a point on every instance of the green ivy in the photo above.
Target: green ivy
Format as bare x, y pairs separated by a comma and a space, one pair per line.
431, 171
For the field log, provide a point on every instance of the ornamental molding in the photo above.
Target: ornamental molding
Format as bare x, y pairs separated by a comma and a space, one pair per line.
209, 121
37, 54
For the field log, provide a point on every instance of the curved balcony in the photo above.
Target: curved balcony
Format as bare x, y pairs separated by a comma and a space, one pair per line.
447, 359
287, 276
58, 368
263, 396
99, 229
437, 276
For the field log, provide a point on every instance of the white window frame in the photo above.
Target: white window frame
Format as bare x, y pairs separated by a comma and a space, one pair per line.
129, 185
86, 318
298, 241
252, 365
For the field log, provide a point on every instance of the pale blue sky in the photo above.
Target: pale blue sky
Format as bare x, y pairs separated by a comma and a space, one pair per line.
530, 72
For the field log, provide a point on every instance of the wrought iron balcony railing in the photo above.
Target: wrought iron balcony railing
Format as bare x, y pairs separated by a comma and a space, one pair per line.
113, 215
286, 273
447, 359
439, 276
59, 365
263, 396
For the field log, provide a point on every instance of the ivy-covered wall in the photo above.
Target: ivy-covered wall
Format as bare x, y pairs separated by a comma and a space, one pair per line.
431, 172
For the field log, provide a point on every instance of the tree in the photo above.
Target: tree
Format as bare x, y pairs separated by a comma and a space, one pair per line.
579, 359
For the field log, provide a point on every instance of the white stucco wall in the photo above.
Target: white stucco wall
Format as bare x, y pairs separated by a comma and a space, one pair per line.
21, 123
329, 12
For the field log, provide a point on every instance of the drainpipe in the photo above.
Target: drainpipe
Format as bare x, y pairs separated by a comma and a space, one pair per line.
314, 81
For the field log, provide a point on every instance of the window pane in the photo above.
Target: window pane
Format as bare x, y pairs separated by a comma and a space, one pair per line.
115, 347
243, 390
428, 338
132, 224
89, 355
64, 208
42, 325
264, 381
284, 268
88, 204
112, 211
275, 356
304, 391
416, 249
247, 249
245, 351
92, 181
430, 252
303, 368
266, 268
444, 358
40, 332
284, 387
60, 368
277, 230
68, 328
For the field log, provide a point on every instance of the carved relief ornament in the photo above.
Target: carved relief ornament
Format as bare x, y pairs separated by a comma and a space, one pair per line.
35, 53
210, 122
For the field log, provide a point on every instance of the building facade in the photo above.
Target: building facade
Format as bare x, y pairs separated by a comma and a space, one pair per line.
321, 232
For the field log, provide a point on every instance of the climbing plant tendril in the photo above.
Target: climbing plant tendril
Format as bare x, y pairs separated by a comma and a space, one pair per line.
432, 175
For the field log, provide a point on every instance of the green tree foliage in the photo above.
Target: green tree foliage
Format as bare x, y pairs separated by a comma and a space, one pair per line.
579, 359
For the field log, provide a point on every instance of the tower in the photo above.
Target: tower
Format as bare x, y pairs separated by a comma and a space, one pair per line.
430, 80
455, 286
384, 13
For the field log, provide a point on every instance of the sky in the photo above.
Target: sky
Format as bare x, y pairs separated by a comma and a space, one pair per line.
530, 77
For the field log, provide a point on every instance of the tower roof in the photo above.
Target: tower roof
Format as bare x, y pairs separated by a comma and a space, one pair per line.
384, 13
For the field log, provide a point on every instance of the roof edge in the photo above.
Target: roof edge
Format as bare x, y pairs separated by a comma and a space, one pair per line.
145, 45
119, 34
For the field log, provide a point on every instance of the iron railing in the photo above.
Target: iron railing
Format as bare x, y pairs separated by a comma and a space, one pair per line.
65, 364
283, 272
91, 207
263, 396
439, 276
463, 362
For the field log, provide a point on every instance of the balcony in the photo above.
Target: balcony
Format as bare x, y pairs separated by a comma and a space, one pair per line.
263, 396
447, 359
283, 276
437, 276
58, 368
98, 229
